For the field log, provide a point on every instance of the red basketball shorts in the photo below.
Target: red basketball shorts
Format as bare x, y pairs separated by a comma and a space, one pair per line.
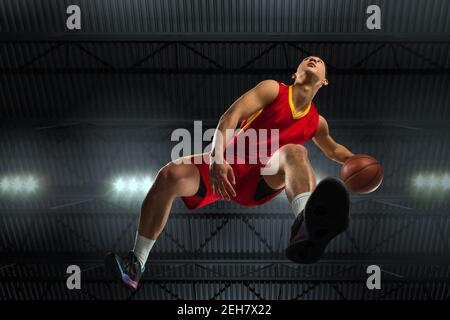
247, 179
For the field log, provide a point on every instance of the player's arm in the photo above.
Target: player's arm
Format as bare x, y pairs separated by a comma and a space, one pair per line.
250, 102
329, 147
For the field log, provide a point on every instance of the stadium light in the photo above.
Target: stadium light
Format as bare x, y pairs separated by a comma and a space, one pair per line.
132, 185
119, 185
445, 182
432, 181
18, 184
4, 184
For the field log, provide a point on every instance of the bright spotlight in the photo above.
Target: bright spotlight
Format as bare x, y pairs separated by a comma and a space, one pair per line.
119, 185
436, 182
433, 181
19, 184
146, 183
5, 184
30, 184
131, 186
419, 181
445, 182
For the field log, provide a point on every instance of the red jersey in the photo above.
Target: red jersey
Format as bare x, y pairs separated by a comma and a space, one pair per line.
293, 127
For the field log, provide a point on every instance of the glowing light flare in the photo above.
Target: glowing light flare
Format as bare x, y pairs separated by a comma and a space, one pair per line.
132, 185
5, 184
18, 184
445, 182
119, 185
432, 181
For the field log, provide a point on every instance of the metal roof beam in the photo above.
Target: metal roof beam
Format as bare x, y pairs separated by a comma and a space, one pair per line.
166, 123
227, 37
192, 258
279, 214
218, 71
209, 280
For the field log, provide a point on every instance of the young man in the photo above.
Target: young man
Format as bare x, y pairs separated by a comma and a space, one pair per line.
321, 212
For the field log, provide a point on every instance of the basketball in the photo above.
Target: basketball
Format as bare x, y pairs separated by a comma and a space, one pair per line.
362, 173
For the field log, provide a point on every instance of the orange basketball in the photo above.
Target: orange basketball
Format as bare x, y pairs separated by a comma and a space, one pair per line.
362, 173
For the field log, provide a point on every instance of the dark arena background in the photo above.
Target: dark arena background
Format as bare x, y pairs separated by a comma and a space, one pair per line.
86, 122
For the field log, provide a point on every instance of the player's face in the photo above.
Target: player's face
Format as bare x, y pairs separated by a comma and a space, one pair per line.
313, 65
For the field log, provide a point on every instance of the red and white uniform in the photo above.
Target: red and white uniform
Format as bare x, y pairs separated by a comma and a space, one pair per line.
293, 128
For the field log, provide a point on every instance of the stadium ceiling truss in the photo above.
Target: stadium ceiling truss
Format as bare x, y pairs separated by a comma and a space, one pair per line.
396, 45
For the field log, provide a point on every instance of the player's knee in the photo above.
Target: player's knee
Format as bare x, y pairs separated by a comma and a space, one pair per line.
169, 175
293, 153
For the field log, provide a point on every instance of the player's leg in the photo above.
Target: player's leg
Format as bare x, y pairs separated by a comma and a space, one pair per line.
173, 180
321, 211
295, 172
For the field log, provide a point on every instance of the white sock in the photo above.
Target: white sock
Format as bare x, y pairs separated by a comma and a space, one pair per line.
299, 202
142, 247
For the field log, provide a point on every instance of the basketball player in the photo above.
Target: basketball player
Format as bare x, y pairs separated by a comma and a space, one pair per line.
321, 212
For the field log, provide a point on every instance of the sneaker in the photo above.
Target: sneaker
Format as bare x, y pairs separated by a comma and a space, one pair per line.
127, 271
325, 216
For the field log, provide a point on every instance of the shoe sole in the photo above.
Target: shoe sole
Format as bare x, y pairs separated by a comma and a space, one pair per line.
326, 216
113, 268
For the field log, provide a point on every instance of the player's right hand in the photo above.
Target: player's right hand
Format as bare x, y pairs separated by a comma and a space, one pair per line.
221, 179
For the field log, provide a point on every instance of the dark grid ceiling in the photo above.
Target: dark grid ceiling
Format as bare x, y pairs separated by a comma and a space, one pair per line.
256, 16
77, 114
